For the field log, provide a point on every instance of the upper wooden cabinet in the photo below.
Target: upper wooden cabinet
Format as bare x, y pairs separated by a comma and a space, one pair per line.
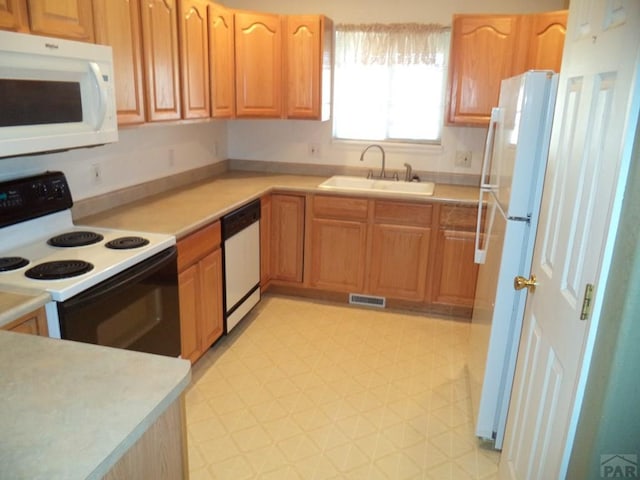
222, 62
62, 18
13, 15
282, 65
546, 40
482, 51
258, 43
308, 66
194, 58
160, 47
117, 23
485, 49
71, 19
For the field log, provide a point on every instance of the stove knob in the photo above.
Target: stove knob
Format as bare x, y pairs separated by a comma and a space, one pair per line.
39, 190
59, 191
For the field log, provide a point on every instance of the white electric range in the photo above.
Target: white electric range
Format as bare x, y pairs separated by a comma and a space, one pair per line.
110, 287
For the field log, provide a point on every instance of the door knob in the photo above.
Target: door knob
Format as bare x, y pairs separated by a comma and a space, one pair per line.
530, 283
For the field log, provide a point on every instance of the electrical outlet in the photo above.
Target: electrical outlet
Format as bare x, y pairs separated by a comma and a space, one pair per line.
463, 158
314, 150
96, 173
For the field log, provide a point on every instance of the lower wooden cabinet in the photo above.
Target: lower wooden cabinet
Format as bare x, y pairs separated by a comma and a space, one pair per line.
455, 273
415, 254
265, 242
400, 250
200, 288
161, 452
34, 323
337, 243
287, 237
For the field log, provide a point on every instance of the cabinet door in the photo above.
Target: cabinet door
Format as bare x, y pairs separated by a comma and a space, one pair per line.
62, 18
287, 237
194, 58
160, 47
338, 254
13, 15
210, 293
258, 41
482, 54
117, 23
34, 323
188, 286
222, 62
455, 273
265, 241
303, 62
400, 249
546, 40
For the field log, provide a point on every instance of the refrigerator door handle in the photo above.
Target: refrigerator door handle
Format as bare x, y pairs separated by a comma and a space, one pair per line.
496, 117
480, 252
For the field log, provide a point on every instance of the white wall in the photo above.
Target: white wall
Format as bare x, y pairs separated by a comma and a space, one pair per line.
141, 154
288, 141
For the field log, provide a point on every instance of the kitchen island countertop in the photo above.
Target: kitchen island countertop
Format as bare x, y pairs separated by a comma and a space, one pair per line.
185, 210
71, 410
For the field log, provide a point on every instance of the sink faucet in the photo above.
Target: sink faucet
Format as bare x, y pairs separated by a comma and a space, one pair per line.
382, 172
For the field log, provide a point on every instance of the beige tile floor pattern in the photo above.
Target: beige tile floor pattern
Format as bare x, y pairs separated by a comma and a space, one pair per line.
312, 390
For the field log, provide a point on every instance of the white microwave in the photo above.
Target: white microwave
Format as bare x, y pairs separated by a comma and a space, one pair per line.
54, 94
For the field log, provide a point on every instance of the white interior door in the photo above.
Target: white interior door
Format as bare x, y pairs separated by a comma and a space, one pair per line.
595, 118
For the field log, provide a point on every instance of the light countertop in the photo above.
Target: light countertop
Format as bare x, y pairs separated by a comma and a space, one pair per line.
182, 211
14, 304
70, 410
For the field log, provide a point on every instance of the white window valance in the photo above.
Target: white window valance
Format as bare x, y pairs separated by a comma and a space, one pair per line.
391, 44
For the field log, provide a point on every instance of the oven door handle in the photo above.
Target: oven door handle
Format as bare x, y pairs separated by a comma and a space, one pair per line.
131, 275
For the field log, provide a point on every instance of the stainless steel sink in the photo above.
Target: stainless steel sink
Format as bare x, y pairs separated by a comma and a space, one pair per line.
358, 184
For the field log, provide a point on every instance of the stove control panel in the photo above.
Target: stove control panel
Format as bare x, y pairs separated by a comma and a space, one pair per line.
25, 198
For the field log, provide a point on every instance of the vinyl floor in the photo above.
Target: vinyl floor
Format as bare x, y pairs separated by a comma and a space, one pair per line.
312, 390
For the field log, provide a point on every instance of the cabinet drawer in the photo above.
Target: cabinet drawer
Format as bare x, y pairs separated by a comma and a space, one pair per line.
198, 244
402, 213
455, 216
345, 208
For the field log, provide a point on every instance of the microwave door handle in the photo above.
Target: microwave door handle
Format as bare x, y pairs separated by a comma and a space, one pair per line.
489, 148
102, 94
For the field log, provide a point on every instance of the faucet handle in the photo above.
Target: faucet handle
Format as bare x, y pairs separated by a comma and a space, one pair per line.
407, 173
396, 177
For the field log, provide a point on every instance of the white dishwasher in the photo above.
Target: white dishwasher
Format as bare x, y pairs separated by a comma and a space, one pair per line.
241, 254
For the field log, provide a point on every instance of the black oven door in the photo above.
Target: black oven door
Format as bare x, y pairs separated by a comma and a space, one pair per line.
136, 309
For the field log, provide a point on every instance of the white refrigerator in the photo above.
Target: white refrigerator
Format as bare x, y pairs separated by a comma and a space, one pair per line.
513, 171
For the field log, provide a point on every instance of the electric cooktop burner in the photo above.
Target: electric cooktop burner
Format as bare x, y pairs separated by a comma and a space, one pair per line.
12, 263
75, 239
59, 269
125, 243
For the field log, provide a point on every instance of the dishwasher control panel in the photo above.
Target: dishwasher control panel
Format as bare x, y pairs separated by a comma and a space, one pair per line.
240, 219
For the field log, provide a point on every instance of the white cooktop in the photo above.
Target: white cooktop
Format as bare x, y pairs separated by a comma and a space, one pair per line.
29, 240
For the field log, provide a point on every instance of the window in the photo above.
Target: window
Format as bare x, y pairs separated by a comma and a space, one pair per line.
389, 82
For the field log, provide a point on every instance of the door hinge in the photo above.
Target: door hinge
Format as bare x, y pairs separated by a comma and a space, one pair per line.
586, 302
